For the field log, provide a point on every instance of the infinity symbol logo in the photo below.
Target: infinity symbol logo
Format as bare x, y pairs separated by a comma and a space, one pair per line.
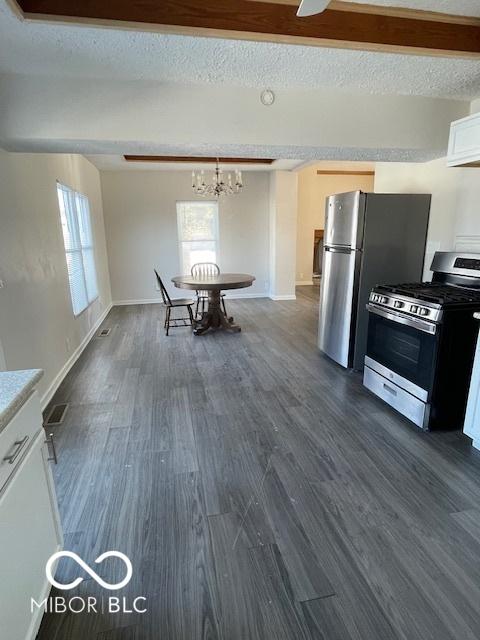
91, 572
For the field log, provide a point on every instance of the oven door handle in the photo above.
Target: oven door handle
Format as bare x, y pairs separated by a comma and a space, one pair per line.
421, 325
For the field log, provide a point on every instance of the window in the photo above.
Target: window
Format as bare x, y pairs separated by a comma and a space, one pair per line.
77, 236
197, 233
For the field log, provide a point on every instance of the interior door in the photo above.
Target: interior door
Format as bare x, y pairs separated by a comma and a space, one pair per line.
336, 304
344, 220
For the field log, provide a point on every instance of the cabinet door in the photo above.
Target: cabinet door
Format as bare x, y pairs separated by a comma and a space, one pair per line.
464, 143
29, 535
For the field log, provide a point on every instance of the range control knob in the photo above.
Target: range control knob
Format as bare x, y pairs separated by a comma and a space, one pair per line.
413, 308
384, 300
398, 304
423, 311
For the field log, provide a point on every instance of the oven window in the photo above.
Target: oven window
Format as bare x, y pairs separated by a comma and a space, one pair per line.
404, 350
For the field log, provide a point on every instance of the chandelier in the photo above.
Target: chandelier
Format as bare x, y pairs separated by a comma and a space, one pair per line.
219, 186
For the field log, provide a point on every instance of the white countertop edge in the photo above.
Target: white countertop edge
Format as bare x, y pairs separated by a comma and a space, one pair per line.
15, 389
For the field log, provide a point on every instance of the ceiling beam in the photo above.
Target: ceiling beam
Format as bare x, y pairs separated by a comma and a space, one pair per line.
344, 25
198, 159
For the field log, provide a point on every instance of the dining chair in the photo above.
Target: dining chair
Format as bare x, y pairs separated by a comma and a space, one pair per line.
173, 304
205, 269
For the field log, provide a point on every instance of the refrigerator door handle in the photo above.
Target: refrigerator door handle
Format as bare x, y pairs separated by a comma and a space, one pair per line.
340, 249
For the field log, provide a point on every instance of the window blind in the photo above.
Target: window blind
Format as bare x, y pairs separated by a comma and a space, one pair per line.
78, 240
197, 233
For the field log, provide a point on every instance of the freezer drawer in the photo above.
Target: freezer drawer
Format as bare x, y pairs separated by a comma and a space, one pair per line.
336, 304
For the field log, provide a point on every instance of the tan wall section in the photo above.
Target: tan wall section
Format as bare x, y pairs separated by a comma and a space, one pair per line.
313, 190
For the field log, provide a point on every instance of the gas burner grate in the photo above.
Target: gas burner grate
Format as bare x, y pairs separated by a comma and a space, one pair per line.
432, 292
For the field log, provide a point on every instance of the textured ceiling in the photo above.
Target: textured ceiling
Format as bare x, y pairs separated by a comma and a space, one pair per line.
43, 49
93, 149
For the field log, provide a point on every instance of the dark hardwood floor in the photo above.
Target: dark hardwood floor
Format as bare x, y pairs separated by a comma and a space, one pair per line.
260, 492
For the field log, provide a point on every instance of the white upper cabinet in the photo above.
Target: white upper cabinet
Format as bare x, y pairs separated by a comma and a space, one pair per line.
464, 143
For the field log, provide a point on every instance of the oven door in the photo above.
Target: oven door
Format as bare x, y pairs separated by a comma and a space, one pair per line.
403, 349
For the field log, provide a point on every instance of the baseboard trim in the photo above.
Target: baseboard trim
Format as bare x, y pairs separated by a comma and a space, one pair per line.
188, 294
57, 381
285, 297
301, 283
240, 296
126, 303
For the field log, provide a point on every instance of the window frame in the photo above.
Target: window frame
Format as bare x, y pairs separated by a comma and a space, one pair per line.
78, 200
181, 242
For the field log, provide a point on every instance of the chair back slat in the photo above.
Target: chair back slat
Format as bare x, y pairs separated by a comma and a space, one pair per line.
205, 269
164, 292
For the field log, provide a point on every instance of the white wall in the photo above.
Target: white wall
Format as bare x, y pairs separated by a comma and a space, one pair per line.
55, 114
475, 106
454, 217
141, 229
37, 325
283, 234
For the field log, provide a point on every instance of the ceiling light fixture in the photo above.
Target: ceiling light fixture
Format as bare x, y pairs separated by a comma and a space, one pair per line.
220, 185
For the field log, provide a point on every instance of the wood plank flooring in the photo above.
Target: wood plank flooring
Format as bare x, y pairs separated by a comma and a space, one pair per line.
260, 492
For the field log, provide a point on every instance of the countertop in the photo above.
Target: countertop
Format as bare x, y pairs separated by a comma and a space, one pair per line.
15, 389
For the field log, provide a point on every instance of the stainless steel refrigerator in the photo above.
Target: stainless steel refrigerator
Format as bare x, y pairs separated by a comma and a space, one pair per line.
370, 239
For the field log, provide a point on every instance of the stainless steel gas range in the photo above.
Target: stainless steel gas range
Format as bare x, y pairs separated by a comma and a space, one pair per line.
421, 342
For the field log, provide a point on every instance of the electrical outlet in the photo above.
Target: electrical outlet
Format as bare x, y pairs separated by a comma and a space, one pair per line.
2, 284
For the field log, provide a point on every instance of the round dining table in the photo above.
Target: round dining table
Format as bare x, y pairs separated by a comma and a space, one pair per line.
214, 318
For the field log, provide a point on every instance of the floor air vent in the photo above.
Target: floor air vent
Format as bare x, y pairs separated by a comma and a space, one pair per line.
57, 415
104, 333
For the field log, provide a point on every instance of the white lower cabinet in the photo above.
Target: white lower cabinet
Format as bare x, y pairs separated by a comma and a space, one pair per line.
30, 533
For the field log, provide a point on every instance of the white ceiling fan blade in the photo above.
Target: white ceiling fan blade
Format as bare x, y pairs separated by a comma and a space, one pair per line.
312, 7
